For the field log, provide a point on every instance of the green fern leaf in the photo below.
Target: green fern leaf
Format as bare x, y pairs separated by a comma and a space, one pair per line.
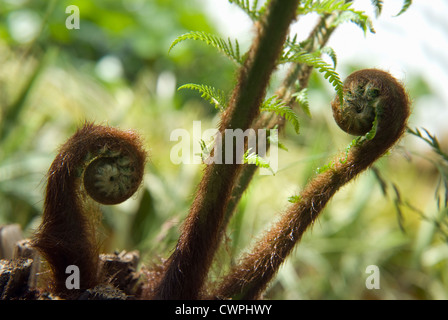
441, 165
357, 17
431, 140
273, 138
214, 96
226, 47
292, 46
253, 158
406, 5
331, 53
251, 10
346, 12
323, 6
378, 4
295, 199
274, 105
323, 67
206, 149
302, 99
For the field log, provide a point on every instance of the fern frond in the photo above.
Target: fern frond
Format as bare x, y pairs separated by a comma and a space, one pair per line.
346, 12
251, 10
431, 140
302, 99
331, 53
214, 96
292, 46
357, 17
442, 166
323, 6
378, 4
253, 158
280, 108
406, 5
295, 199
273, 138
323, 67
226, 47
206, 149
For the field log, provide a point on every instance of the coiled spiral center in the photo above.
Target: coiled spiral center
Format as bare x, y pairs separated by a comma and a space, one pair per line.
111, 180
358, 110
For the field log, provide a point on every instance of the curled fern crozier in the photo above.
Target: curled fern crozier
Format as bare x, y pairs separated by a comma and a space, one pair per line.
379, 97
103, 163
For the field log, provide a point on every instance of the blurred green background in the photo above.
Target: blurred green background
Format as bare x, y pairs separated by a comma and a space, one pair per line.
116, 70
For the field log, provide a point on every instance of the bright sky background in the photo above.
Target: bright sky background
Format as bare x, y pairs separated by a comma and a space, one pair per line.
413, 43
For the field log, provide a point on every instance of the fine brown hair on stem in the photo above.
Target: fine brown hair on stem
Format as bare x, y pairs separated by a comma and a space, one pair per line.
100, 162
365, 91
186, 269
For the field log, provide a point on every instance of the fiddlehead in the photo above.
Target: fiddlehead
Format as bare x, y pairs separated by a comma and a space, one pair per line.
368, 94
103, 163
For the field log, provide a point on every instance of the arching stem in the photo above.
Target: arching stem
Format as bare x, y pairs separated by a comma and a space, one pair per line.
375, 89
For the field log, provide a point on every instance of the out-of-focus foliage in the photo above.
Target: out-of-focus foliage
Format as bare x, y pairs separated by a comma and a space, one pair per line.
116, 69
135, 35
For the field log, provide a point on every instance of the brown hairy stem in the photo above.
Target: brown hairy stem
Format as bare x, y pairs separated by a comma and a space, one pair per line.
186, 269
100, 162
318, 37
363, 90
